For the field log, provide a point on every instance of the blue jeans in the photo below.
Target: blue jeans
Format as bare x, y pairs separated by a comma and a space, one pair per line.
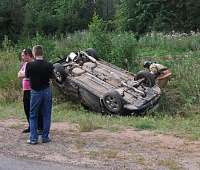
44, 98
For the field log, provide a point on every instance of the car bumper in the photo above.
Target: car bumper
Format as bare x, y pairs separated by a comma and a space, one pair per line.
148, 108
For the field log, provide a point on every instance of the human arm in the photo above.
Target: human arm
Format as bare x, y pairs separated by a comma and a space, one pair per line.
153, 70
21, 74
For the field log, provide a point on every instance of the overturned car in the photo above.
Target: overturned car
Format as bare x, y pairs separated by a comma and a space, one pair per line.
103, 87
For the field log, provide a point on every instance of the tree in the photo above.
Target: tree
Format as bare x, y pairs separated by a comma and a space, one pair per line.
125, 15
21, 18
105, 9
39, 17
158, 15
11, 21
193, 19
98, 37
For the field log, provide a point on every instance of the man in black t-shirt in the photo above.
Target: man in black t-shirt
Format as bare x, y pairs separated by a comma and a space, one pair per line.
39, 72
26, 56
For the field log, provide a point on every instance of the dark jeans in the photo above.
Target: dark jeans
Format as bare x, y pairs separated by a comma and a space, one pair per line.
26, 101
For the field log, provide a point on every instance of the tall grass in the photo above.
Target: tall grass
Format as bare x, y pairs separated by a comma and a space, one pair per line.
70, 43
9, 83
127, 53
179, 107
48, 44
123, 51
180, 53
174, 43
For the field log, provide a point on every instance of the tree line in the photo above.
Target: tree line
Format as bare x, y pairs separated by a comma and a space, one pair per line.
22, 18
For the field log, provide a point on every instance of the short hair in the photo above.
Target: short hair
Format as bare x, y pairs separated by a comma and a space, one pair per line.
38, 50
28, 51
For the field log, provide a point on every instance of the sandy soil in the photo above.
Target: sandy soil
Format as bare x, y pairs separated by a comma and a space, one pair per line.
102, 149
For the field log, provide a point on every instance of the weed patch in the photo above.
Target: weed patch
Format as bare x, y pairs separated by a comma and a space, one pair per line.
169, 163
87, 125
79, 144
110, 153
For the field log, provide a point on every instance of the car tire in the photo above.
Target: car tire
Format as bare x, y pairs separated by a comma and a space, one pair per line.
149, 79
93, 53
59, 72
113, 101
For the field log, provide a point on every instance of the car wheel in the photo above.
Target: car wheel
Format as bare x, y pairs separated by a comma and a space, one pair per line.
149, 80
92, 52
59, 72
113, 101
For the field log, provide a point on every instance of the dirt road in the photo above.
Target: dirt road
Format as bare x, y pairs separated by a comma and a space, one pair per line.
102, 149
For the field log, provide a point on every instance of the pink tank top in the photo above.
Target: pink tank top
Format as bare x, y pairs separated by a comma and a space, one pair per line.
25, 81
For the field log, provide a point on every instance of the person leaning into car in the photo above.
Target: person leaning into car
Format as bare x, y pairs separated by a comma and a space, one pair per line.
160, 72
39, 72
26, 56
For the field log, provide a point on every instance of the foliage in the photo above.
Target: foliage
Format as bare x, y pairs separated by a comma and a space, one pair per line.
39, 18
173, 42
62, 17
72, 15
71, 42
145, 124
179, 107
105, 9
87, 124
98, 36
47, 42
6, 44
123, 51
9, 83
117, 49
179, 52
58, 17
11, 21
125, 18
146, 16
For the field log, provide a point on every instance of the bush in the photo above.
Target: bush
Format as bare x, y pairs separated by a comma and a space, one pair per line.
10, 85
98, 36
47, 43
123, 52
69, 43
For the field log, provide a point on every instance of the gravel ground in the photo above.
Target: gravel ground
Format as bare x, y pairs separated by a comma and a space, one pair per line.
102, 149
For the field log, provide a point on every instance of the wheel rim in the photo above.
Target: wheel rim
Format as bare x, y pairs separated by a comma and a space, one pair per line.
58, 75
112, 103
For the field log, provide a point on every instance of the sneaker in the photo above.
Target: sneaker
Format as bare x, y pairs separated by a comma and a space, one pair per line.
39, 132
46, 141
26, 130
31, 142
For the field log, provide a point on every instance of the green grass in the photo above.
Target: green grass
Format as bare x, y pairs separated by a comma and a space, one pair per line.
179, 110
14, 111
113, 128
175, 125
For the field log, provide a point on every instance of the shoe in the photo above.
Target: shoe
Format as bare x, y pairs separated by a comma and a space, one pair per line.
39, 132
31, 142
46, 141
26, 130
